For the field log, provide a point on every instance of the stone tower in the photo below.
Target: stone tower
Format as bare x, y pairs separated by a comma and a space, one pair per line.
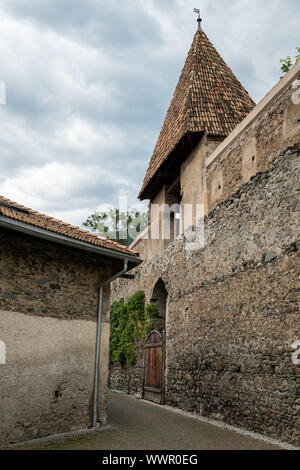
208, 103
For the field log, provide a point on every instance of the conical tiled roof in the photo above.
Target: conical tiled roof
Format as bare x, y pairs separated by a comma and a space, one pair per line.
208, 98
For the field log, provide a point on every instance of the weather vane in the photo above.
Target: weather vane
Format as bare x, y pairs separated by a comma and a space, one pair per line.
196, 10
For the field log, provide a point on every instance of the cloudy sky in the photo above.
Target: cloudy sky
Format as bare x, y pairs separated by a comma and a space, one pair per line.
88, 83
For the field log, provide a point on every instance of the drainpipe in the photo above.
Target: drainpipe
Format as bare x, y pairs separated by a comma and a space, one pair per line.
119, 274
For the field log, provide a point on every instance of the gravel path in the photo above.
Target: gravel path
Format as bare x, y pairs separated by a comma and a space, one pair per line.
136, 424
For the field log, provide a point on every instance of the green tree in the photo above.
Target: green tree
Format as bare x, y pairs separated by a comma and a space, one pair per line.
287, 63
122, 227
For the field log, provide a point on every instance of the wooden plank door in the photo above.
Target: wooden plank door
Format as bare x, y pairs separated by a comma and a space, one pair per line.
153, 374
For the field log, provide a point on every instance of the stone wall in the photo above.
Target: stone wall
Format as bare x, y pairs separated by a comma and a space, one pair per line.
192, 176
214, 169
47, 381
273, 128
233, 307
44, 278
128, 379
48, 313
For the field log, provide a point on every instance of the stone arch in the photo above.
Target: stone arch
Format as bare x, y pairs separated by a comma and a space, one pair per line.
160, 297
155, 348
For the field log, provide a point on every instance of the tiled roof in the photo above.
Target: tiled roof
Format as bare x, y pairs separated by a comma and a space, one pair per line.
23, 214
208, 98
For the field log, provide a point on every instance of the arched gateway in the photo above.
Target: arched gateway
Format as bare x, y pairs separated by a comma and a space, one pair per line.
154, 355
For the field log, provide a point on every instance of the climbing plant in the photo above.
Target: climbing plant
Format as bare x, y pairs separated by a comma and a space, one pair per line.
287, 63
129, 322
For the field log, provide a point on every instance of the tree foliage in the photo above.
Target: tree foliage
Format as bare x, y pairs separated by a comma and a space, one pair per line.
287, 63
130, 322
122, 227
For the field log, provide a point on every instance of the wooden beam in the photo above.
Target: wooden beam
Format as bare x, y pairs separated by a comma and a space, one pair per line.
175, 186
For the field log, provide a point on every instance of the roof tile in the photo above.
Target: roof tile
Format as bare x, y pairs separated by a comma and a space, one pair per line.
208, 98
21, 213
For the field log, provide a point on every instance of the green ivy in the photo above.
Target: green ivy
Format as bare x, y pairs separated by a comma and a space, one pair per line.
130, 322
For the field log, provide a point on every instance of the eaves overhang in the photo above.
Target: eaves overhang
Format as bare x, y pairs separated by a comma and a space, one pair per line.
44, 234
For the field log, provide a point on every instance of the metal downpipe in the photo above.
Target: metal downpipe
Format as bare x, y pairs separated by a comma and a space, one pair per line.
98, 338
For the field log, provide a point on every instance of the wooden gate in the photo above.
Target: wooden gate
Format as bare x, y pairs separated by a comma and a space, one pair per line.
154, 368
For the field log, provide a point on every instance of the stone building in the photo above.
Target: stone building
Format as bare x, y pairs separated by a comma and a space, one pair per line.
230, 307
208, 103
50, 279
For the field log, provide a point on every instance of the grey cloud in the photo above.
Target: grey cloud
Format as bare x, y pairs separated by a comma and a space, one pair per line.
89, 83
100, 23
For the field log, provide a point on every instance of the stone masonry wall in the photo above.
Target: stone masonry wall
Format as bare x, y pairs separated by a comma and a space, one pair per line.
48, 312
129, 379
233, 307
276, 128
43, 278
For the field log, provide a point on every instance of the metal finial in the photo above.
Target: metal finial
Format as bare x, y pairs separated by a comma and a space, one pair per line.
199, 19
